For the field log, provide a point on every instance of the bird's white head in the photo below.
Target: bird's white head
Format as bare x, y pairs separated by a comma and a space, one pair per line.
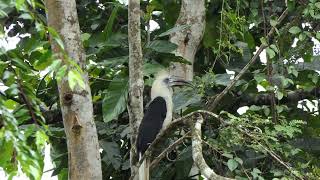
162, 85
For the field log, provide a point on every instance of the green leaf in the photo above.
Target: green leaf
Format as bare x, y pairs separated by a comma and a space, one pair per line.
151, 68
162, 46
19, 4
222, 79
10, 104
232, 164
74, 78
228, 155
174, 30
111, 62
271, 54
108, 28
61, 72
115, 101
184, 97
249, 40
263, 41
26, 16
279, 95
112, 154
273, 22
302, 36
184, 163
317, 5
318, 35
294, 30
43, 61
54, 34
6, 151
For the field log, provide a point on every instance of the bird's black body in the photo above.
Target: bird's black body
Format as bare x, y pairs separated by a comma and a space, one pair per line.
151, 123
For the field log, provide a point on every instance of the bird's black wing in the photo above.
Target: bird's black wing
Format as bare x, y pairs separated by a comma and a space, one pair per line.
151, 123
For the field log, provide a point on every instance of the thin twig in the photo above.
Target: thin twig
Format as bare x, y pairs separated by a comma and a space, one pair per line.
156, 161
275, 156
212, 105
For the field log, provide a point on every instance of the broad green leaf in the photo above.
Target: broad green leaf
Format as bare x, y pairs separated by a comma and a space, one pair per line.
174, 30
271, 54
317, 5
115, 100
111, 62
232, 164
112, 154
294, 30
162, 46
10, 104
184, 97
184, 163
151, 68
222, 79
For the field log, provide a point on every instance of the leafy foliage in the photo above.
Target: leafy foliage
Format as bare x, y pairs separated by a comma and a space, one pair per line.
272, 140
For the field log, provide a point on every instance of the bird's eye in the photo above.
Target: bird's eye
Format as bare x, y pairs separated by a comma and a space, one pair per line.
166, 80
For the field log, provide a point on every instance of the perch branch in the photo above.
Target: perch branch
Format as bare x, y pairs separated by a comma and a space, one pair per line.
197, 152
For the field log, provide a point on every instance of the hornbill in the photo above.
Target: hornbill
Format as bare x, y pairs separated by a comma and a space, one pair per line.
158, 115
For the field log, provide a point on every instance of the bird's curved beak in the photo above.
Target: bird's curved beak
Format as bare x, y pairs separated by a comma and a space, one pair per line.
175, 81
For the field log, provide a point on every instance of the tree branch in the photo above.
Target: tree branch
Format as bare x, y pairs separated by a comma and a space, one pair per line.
197, 152
212, 104
163, 133
156, 161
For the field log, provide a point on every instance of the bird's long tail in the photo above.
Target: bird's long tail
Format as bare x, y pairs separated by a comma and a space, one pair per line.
144, 170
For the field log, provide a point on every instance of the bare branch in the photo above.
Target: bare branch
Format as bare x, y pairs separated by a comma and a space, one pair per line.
197, 152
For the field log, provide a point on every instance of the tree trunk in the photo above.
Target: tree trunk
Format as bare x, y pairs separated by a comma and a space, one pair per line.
192, 14
136, 83
76, 105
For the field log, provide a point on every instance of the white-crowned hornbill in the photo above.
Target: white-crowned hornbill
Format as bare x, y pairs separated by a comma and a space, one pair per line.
158, 115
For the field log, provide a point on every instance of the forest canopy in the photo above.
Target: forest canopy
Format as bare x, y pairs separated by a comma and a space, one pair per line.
257, 67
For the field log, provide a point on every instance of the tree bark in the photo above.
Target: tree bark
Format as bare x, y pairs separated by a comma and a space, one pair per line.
76, 105
192, 14
136, 83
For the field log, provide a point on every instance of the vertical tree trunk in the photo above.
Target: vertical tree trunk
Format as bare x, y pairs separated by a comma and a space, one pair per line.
76, 105
191, 13
136, 83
